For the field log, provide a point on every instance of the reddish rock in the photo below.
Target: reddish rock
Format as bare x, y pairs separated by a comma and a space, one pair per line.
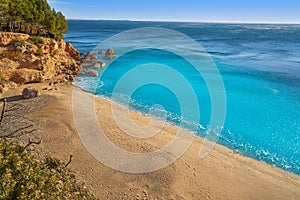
74, 53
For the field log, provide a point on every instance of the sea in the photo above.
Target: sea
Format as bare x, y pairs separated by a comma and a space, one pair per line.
258, 65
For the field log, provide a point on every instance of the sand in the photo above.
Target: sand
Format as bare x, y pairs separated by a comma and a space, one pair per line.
222, 174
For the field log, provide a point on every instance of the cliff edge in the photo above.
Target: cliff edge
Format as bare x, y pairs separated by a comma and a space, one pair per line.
25, 59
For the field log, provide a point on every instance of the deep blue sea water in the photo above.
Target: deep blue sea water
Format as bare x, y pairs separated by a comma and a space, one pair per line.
260, 68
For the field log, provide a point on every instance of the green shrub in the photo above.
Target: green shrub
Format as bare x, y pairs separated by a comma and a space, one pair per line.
19, 43
2, 78
40, 52
23, 177
37, 40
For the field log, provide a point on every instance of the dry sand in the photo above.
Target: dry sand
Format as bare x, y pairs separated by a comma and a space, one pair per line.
223, 174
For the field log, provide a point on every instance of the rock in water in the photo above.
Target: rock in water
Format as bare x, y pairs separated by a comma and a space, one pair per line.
110, 54
92, 73
29, 93
100, 64
90, 56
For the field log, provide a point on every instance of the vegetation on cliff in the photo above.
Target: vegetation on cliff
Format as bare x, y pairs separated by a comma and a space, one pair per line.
34, 17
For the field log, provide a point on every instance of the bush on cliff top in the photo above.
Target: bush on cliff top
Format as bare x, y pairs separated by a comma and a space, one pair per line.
36, 40
23, 177
19, 43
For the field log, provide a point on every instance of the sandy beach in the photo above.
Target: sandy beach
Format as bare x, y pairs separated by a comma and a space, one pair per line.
223, 174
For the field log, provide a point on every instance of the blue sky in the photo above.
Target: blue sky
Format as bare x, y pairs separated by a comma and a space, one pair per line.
269, 11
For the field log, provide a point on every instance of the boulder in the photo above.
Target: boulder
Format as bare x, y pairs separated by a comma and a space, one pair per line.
90, 56
87, 64
100, 64
110, 54
92, 73
29, 93
101, 52
22, 76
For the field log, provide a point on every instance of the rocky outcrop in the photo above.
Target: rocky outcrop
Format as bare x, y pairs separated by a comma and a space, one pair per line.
74, 53
92, 73
22, 60
110, 54
91, 60
22, 76
8, 38
7, 85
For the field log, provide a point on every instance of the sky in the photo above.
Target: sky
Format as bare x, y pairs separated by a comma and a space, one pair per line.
266, 11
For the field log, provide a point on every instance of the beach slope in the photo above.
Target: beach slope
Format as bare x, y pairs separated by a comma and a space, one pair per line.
223, 174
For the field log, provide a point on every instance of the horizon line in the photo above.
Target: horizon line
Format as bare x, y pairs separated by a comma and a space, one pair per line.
221, 22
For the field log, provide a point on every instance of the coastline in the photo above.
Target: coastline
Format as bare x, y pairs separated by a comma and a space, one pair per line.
223, 174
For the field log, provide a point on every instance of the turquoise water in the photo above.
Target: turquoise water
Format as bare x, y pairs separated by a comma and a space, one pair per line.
260, 67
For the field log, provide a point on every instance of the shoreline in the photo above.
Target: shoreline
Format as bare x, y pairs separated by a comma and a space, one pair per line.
183, 129
223, 174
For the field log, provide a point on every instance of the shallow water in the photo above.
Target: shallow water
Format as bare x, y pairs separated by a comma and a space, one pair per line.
260, 68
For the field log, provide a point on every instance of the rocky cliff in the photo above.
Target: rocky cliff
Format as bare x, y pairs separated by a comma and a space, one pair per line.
25, 59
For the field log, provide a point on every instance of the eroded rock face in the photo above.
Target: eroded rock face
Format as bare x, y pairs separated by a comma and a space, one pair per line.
110, 54
29, 93
74, 53
22, 76
24, 62
7, 85
8, 38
